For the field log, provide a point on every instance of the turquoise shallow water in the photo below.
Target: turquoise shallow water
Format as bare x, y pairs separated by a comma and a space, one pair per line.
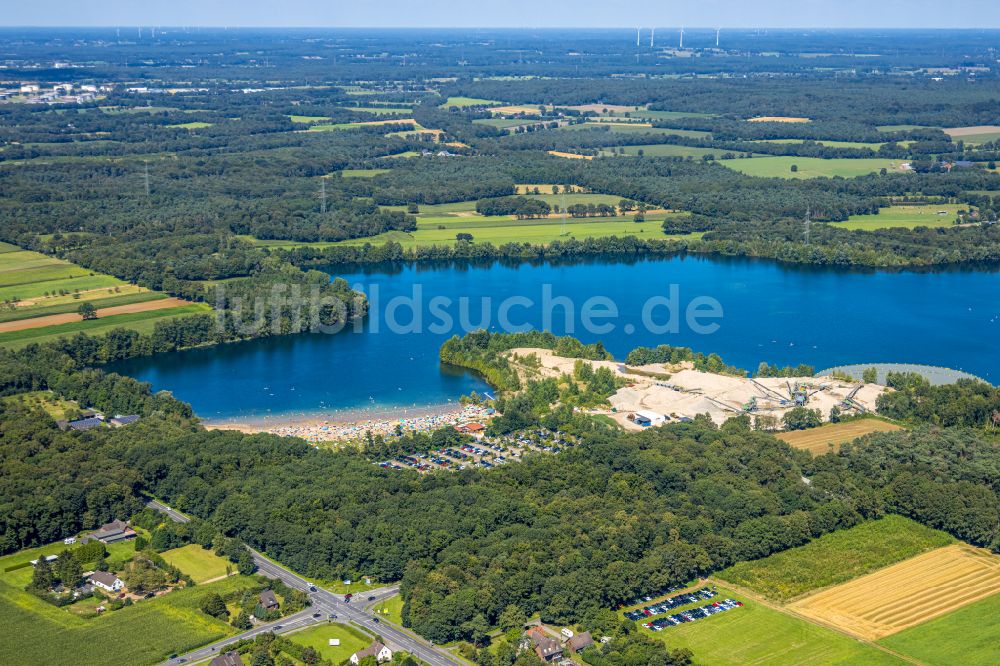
769, 312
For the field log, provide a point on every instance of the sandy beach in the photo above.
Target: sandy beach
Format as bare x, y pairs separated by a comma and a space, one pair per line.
347, 426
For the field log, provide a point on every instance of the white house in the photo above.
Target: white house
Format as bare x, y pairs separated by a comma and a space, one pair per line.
376, 649
106, 581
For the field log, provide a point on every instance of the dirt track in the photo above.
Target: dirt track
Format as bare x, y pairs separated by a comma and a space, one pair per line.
52, 320
906, 594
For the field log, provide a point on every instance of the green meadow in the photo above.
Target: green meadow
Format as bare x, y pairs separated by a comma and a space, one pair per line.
144, 633
758, 634
909, 217
143, 322
810, 167
836, 557
969, 636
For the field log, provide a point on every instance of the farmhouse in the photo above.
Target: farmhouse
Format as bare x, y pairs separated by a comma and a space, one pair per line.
106, 581
376, 649
580, 642
268, 601
548, 649
231, 658
113, 532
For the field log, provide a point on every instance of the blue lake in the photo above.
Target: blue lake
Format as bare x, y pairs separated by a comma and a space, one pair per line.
746, 311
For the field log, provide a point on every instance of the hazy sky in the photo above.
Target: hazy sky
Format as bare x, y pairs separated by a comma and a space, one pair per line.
506, 13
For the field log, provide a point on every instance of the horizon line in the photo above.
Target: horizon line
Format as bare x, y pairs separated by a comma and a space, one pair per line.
484, 27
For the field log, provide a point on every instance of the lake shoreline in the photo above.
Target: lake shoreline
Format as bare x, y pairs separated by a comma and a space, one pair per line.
353, 425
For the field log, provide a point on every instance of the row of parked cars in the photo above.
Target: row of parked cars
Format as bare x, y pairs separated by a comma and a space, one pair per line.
485, 453
691, 615
661, 607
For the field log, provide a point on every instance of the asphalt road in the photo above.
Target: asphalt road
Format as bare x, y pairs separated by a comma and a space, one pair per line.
175, 516
324, 605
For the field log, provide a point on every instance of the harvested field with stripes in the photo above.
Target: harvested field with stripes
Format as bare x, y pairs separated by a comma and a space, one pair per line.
832, 436
906, 594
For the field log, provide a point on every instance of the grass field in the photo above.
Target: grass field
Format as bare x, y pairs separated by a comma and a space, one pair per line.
905, 216
327, 127
667, 150
968, 636
144, 633
363, 173
901, 128
836, 557
636, 128
100, 298
825, 142
192, 125
387, 110
142, 322
757, 634
502, 123
308, 119
199, 563
461, 102
908, 593
391, 609
570, 156
831, 436
778, 119
318, 638
974, 135
55, 407
810, 167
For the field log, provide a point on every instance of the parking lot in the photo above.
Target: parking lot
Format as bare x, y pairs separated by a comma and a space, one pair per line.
651, 611
485, 453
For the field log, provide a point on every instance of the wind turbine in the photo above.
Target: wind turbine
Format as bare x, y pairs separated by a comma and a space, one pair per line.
682, 38
717, 31
652, 32
638, 33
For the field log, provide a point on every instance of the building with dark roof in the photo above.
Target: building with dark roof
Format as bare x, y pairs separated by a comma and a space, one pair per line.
268, 600
231, 658
580, 642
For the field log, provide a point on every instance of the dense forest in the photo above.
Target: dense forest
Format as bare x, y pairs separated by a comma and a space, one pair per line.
566, 535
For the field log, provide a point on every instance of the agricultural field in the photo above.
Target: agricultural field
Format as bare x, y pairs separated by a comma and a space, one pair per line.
825, 142
387, 110
200, 563
836, 557
910, 217
666, 150
328, 127
363, 173
144, 633
968, 636
758, 634
901, 128
908, 593
778, 119
570, 156
192, 125
974, 135
637, 128
462, 102
831, 436
318, 638
143, 322
502, 123
811, 167
308, 119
